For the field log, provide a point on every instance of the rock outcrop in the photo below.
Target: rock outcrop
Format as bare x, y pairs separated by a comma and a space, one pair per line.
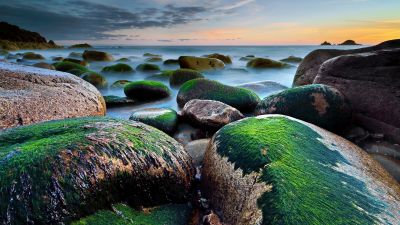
30, 95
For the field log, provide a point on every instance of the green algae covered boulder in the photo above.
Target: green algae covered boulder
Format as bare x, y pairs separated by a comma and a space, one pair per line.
281, 170
90, 55
148, 67
78, 61
119, 84
224, 58
60, 171
115, 101
123, 60
171, 214
163, 76
76, 72
154, 59
118, 68
239, 98
32, 56
200, 63
170, 62
146, 90
164, 119
66, 66
292, 59
262, 63
95, 79
180, 76
318, 104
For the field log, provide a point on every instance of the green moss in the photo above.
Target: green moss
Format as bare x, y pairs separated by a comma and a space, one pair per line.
147, 67
164, 119
123, 60
306, 187
146, 89
120, 67
261, 63
77, 61
171, 62
178, 214
94, 78
76, 72
240, 98
180, 76
66, 66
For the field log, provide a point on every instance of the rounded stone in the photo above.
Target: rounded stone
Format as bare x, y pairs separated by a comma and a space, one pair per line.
32, 56
261, 63
90, 55
146, 90
164, 119
148, 67
67, 66
95, 79
200, 63
118, 68
44, 65
180, 76
224, 58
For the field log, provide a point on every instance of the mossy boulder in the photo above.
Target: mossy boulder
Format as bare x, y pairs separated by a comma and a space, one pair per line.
90, 55
76, 72
77, 61
164, 119
154, 59
44, 65
224, 58
119, 68
83, 45
115, 101
67, 66
262, 63
171, 214
95, 79
281, 170
32, 56
239, 98
146, 90
69, 169
180, 76
123, 60
318, 104
75, 55
292, 59
170, 62
58, 58
148, 67
200, 63
119, 83
151, 55
163, 76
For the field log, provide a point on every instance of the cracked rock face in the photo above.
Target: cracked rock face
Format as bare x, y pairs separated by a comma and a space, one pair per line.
279, 170
60, 171
371, 83
31, 95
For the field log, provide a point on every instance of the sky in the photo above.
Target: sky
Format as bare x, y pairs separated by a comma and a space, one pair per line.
206, 22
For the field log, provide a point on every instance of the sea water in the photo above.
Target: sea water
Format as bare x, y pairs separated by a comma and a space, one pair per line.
234, 74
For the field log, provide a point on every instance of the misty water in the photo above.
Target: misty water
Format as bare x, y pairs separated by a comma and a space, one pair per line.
234, 74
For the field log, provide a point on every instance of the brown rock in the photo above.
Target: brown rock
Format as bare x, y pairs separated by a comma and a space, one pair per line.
44, 65
210, 113
371, 83
30, 95
199, 63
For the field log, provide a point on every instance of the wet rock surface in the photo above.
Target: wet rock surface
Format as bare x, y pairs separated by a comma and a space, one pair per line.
161, 118
261, 170
200, 63
30, 95
90, 55
72, 168
264, 87
115, 101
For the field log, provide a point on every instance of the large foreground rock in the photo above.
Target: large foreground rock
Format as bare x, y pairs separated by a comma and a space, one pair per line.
59, 171
309, 67
371, 83
30, 95
279, 170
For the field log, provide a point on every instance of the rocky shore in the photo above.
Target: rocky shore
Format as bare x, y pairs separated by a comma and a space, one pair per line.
324, 151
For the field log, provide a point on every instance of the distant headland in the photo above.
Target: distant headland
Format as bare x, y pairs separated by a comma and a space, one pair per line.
347, 42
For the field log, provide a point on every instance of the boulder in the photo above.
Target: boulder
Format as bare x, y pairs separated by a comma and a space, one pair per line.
90, 55
154, 59
279, 170
292, 59
180, 76
349, 42
200, 63
32, 56
119, 68
58, 58
163, 76
210, 114
116, 101
224, 58
76, 72
239, 98
262, 63
170, 62
84, 45
123, 60
326, 43
146, 90
264, 88
318, 104
95, 79
75, 55
77, 61
163, 119
196, 150
67, 66
309, 67
151, 55
119, 84
31, 95
59, 171
44, 65
148, 67
371, 83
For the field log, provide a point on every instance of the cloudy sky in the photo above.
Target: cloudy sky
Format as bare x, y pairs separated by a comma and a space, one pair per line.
206, 22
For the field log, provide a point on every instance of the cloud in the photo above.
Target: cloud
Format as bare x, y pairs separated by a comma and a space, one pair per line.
165, 40
237, 5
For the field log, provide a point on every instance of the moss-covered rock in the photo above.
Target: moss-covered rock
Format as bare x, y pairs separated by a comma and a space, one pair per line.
58, 58
163, 76
318, 104
44, 65
280, 170
261, 63
119, 83
95, 79
247, 58
83, 45
170, 62
161, 118
56, 172
146, 90
239, 98
123, 60
119, 68
77, 61
180, 76
148, 67
32, 56
154, 59
151, 55
115, 101
292, 59
90, 55
76, 72
224, 58
172, 214
200, 63
75, 55
66, 66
